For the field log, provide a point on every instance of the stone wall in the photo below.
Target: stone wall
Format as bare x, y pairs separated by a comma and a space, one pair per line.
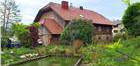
44, 35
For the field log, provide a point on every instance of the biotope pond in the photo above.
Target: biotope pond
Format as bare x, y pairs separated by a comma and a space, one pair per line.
51, 61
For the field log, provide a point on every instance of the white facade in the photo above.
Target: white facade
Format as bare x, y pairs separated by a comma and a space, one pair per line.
118, 29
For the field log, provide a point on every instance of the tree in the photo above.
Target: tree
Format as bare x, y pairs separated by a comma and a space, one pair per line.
128, 2
9, 14
131, 19
22, 33
33, 31
79, 29
26, 34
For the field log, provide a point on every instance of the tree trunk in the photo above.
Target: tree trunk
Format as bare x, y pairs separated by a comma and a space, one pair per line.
7, 22
4, 18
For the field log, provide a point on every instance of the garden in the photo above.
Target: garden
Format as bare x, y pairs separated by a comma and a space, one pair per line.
77, 47
121, 52
124, 53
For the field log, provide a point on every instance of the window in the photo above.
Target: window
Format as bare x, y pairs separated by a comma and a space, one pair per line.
99, 38
99, 28
108, 29
107, 38
55, 37
66, 23
115, 31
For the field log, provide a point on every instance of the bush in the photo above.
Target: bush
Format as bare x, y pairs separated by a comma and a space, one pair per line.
59, 49
79, 29
41, 50
78, 33
20, 31
4, 41
8, 58
131, 19
13, 55
120, 36
27, 35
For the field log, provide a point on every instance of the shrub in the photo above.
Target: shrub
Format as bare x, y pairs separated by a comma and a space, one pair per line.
8, 58
41, 50
22, 34
79, 29
4, 41
13, 55
120, 36
27, 35
131, 19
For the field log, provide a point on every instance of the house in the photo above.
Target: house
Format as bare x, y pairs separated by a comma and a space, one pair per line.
55, 17
118, 28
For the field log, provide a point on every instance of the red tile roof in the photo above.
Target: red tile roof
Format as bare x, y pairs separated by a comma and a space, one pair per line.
73, 13
52, 26
69, 14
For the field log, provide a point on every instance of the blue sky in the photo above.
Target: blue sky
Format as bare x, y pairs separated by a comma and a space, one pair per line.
111, 9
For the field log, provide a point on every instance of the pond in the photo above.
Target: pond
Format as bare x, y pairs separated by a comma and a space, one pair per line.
52, 61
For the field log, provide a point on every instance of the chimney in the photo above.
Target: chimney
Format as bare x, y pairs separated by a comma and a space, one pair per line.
81, 7
70, 4
64, 5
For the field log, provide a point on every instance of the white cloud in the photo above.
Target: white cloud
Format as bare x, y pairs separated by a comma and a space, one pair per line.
27, 19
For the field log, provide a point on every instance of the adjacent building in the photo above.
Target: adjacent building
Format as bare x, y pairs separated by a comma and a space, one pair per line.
118, 27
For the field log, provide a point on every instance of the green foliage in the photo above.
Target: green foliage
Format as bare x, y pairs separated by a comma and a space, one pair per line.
131, 19
22, 50
78, 29
4, 40
36, 24
42, 50
22, 33
5, 36
109, 55
7, 58
120, 36
13, 55
125, 53
59, 49
128, 2
131, 47
87, 53
121, 53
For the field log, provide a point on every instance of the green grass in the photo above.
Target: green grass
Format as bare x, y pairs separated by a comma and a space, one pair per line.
97, 55
108, 55
7, 57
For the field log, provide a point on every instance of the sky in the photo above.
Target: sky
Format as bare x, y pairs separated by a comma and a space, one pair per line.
111, 9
